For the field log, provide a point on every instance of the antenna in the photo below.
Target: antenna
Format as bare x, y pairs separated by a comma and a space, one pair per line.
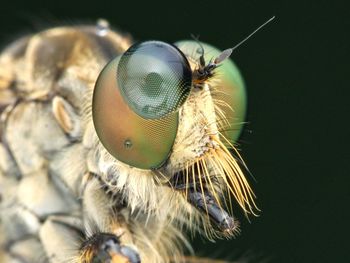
227, 52
201, 58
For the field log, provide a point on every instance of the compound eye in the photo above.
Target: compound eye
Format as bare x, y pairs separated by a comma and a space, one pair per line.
154, 78
228, 89
136, 101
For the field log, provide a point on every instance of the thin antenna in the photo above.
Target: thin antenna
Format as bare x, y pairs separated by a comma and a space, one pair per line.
201, 58
251, 34
227, 52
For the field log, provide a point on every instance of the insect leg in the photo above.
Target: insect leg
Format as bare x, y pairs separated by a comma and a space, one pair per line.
108, 236
60, 237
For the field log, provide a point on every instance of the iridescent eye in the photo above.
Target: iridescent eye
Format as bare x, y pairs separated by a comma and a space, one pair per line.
154, 78
228, 89
136, 101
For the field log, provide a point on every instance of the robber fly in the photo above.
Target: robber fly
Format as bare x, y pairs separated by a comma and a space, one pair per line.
110, 150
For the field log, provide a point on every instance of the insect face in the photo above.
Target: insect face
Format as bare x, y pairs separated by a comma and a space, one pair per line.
108, 149
158, 108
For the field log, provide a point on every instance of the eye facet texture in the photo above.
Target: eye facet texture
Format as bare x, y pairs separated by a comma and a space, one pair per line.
141, 142
154, 78
228, 89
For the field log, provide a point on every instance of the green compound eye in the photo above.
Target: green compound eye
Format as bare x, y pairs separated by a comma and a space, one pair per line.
228, 91
135, 103
154, 78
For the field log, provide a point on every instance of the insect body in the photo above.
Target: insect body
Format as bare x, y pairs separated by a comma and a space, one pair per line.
110, 151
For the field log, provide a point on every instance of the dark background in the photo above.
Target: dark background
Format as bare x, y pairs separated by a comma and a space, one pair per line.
296, 141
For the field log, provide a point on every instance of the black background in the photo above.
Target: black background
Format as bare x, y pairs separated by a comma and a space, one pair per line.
296, 73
